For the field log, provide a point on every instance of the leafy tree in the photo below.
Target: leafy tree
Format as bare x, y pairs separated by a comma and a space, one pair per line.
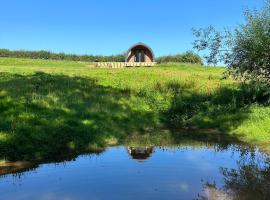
245, 49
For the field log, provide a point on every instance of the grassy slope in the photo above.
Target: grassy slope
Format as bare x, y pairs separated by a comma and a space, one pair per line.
49, 107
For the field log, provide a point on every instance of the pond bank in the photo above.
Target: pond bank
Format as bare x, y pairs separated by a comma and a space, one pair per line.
48, 108
196, 138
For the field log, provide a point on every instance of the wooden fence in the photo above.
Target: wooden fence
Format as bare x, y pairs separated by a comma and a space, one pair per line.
123, 64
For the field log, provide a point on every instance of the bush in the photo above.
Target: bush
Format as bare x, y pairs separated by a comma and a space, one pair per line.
188, 57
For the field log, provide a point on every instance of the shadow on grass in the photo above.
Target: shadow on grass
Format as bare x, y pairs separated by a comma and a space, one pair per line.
211, 117
46, 116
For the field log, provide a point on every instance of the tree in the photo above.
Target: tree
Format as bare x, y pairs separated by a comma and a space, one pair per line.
245, 49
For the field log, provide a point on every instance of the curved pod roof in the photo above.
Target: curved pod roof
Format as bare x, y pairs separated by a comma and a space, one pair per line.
140, 44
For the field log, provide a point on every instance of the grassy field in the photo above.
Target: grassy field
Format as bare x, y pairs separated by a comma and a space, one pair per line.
49, 108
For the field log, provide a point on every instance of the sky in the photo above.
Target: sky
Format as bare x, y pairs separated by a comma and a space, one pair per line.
107, 27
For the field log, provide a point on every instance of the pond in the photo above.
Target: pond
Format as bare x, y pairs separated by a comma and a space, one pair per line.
182, 172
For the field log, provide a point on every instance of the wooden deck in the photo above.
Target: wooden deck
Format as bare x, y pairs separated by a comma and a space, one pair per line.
123, 64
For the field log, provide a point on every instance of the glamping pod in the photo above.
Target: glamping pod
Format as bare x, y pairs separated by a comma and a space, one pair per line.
140, 53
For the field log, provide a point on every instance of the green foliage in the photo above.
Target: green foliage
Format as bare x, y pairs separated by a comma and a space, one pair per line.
213, 42
245, 50
250, 57
49, 108
60, 56
188, 57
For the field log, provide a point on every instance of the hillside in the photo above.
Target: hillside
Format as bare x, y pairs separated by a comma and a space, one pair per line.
56, 107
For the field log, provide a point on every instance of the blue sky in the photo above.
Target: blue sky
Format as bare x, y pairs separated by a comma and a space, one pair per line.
106, 27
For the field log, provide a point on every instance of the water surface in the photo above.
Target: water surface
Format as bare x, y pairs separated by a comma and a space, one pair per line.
186, 172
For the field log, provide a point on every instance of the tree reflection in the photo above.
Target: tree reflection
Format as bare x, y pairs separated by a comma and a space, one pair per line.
250, 180
213, 193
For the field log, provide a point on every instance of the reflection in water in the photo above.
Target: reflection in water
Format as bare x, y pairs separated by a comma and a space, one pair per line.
16, 167
186, 172
213, 193
140, 153
249, 180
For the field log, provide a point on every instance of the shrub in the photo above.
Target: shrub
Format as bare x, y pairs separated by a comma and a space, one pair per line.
188, 57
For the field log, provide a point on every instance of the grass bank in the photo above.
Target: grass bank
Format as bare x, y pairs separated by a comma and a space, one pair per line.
49, 108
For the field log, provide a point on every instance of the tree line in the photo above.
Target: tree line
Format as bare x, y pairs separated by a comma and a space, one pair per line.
187, 57
60, 56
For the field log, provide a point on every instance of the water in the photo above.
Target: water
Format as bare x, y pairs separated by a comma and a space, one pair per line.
187, 172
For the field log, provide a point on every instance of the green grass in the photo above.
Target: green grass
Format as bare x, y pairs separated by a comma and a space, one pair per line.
51, 108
